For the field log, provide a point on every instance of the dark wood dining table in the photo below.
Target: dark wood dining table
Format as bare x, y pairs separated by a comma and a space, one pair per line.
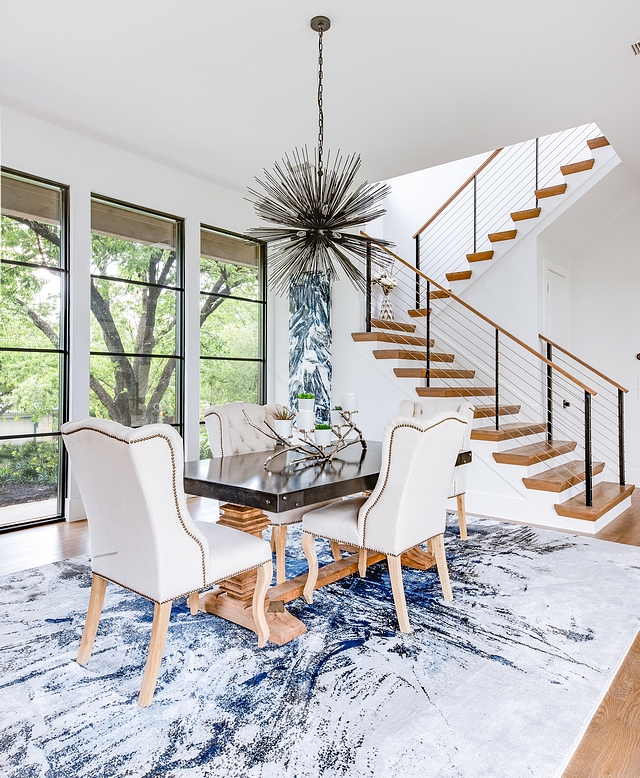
247, 489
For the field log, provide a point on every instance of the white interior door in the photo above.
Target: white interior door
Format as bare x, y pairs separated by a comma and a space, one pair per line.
556, 303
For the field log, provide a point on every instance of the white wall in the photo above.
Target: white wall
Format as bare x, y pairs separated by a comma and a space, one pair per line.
606, 295
32, 146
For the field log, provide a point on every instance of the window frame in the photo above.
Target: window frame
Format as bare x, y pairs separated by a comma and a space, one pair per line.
63, 352
179, 289
261, 301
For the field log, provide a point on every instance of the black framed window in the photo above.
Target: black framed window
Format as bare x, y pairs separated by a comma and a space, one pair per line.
232, 321
137, 289
33, 349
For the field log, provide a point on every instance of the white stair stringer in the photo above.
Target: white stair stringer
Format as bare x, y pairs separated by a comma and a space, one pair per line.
552, 207
496, 491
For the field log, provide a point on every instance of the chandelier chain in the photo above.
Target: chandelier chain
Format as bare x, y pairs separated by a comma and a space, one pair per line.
320, 103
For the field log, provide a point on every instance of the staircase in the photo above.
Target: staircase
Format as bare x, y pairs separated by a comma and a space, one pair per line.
548, 436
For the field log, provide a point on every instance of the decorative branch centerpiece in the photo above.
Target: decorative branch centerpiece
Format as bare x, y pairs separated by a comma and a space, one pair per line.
318, 444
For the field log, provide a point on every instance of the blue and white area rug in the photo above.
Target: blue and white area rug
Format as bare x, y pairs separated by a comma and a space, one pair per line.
499, 683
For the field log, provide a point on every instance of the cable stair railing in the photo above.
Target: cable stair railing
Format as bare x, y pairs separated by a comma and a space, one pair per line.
510, 188
549, 416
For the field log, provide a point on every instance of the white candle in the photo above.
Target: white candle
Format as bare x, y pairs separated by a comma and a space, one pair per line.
349, 401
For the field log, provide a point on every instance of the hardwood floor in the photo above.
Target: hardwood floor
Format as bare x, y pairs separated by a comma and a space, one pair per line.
610, 747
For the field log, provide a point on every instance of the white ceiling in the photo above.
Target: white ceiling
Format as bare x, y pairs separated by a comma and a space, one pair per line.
223, 88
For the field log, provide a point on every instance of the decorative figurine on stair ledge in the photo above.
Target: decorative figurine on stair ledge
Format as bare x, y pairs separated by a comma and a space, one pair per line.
387, 284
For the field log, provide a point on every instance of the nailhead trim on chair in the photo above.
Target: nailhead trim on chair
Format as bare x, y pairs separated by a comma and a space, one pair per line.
175, 488
386, 477
217, 415
185, 594
368, 548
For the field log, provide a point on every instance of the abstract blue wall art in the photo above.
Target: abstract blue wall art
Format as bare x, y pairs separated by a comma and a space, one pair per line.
310, 341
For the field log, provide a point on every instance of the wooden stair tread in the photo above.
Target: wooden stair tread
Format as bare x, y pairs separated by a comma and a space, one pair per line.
459, 275
531, 213
533, 453
417, 312
401, 353
455, 391
562, 477
438, 295
393, 325
485, 411
480, 256
507, 431
421, 372
606, 495
390, 337
577, 167
597, 143
551, 191
496, 237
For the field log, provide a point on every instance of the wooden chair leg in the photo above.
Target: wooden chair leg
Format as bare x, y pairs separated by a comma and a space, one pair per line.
96, 601
437, 544
258, 604
279, 537
335, 550
397, 587
309, 548
362, 562
194, 603
161, 613
462, 517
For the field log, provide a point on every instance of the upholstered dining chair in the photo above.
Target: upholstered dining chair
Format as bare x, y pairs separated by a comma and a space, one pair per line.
406, 508
142, 536
422, 409
229, 434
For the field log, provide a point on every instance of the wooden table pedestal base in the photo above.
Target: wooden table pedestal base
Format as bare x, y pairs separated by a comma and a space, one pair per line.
232, 600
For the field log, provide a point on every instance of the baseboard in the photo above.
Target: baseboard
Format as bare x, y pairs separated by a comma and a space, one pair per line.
74, 509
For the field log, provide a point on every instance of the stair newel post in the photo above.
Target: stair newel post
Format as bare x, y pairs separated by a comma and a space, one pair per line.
428, 328
497, 380
368, 289
549, 393
621, 436
588, 473
417, 274
475, 215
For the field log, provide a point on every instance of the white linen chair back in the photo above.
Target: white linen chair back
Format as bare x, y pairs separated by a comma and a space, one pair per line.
408, 504
423, 409
141, 533
230, 434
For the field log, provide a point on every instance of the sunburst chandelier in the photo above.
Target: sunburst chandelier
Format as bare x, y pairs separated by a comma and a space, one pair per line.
316, 209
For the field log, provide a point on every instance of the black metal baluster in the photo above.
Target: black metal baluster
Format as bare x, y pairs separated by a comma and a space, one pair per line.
428, 330
497, 378
588, 473
417, 274
368, 291
621, 436
549, 393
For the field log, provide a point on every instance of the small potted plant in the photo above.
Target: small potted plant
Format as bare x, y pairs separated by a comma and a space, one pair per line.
283, 419
323, 434
306, 401
336, 416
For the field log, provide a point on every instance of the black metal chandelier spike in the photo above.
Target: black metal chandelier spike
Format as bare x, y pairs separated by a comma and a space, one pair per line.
316, 209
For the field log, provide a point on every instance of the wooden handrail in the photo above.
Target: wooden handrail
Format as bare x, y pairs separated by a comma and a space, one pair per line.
489, 159
521, 343
581, 362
